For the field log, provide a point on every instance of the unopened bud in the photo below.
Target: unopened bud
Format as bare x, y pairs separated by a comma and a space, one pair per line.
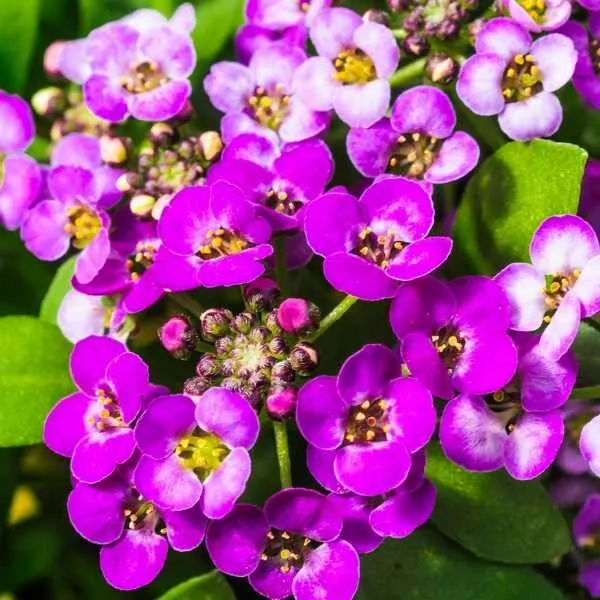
243, 322
113, 150
162, 134
416, 45
259, 335
208, 366
141, 205
441, 68
474, 28
210, 144
304, 358
374, 15
214, 323
296, 315
52, 58
278, 347
161, 204
185, 114
397, 5
280, 403
224, 346
49, 102
195, 387
178, 337
272, 323
261, 295
282, 372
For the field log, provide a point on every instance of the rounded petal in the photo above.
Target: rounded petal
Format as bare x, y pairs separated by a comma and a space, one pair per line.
503, 37
379, 44
275, 65
481, 303
560, 334
18, 127
43, 230
78, 150
589, 444
458, 156
185, 528
589, 573
369, 149
270, 581
302, 122
314, 84
321, 413
333, 31
89, 361
172, 50
479, 84
19, 188
129, 378
357, 529
65, 424
320, 466
105, 99
420, 258
587, 288
235, 269
362, 105
229, 85
538, 116
556, 57
162, 103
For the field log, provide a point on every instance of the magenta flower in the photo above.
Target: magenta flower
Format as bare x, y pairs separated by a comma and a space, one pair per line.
21, 178
589, 202
281, 14
453, 336
586, 79
351, 73
250, 38
518, 426
281, 192
373, 244
196, 452
93, 425
586, 526
366, 423
560, 287
135, 535
289, 548
513, 78
418, 141
589, 444
260, 99
213, 236
547, 15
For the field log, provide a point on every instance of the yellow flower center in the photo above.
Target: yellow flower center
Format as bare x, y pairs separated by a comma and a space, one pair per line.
143, 77
522, 79
201, 452
83, 226
269, 109
536, 9
353, 66
221, 242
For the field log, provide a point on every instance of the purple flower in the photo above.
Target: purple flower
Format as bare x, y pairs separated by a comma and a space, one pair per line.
560, 287
589, 444
586, 526
368, 521
214, 237
20, 175
281, 14
513, 78
196, 453
586, 79
250, 38
576, 416
518, 426
291, 547
537, 16
259, 98
134, 534
74, 215
351, 73
299, 174
589, 202
453, 335
366, 423
417, 142
93, 425
373, 244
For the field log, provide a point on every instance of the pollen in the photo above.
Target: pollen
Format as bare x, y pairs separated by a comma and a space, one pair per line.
354, 66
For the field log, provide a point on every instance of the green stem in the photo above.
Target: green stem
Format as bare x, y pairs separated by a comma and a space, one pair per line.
400, 34
188, 303
283, 453
205, 348
337, 313
586, 393
408, 73
281, 270
592, 323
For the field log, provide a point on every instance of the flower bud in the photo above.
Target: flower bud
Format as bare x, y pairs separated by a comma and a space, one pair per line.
304, 358
243, 322
474, 28
185, 114
224, 346
441, 68
259, 335
210, 144
160, 205
178, 337
49, 102
113, 150
261, 295
282, 372
162, 134
278, 347
416, 45
281, 402
296, 315
52, 58
141, 205
196, 386
398, 5
214, 323
272, 323
208, 366
374, 15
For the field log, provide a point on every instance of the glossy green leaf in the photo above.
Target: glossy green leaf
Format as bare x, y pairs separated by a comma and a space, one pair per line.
61, 284
34, 375
428, 566
212, 586
587, 351
512, 192
216, 22
495, 516
19, 22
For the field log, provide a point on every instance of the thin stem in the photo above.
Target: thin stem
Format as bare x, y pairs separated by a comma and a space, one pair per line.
186, 301
281, 269
585, 393
408, 73
335, 315
592, 323
283, 453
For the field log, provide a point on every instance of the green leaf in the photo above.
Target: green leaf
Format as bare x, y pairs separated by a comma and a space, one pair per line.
34, 375
587, 351
495, 516
212, 586
216, 22
19, 33
427, 566
61, 284
512, 192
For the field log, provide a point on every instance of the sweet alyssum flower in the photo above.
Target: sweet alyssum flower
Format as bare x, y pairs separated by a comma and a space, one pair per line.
454, 335
589, 444
260, 99
134, 534
351, 73
196, 452
372, 244
586, 528
214, 237
518, 426
20, 175
299, 174
289, 548
560, 287
280, 14
418, 141
93, 425
538, 15
514, 78
577, 455
367, 421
